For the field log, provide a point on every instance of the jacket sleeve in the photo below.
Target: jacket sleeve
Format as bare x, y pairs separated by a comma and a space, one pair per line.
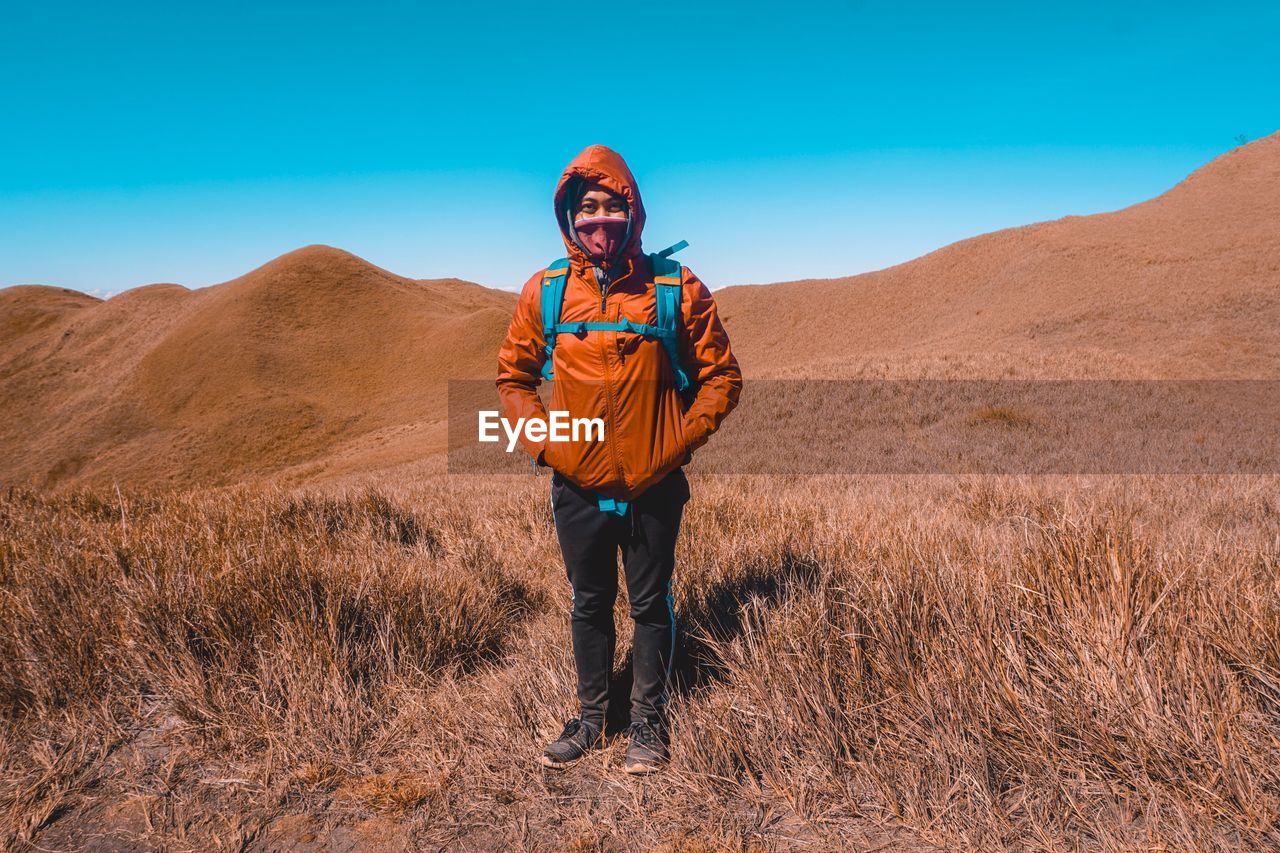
520, 363
709, 362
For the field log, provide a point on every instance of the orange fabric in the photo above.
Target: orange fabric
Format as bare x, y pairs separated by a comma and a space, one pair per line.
624, 379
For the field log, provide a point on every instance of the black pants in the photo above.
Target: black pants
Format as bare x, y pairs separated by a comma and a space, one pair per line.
590, 541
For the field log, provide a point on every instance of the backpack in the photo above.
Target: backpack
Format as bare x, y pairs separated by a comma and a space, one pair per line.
666, 279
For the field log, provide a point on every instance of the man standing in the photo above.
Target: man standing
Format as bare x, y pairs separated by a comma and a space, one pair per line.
610, 359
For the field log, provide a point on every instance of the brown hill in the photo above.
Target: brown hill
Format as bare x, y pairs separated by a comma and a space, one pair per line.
319, 364
316, 356
1186, 284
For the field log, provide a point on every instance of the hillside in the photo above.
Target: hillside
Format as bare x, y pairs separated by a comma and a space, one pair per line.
316, 356
1184, 285
319, 364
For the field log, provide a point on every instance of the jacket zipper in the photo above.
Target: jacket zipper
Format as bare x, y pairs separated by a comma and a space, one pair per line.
608, 386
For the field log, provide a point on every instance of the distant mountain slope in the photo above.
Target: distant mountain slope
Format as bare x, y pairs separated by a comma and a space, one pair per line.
280, 366
1186, 284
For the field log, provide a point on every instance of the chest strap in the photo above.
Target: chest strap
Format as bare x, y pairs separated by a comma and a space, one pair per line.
583, 326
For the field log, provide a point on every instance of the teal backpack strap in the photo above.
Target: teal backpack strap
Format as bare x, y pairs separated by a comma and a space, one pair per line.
672, 249
613, 505
666, 282
552, 297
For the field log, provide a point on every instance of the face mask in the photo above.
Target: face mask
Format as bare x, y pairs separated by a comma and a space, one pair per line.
601, 236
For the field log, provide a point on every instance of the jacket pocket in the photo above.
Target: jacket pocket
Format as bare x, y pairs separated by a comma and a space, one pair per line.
678, 451
551, 455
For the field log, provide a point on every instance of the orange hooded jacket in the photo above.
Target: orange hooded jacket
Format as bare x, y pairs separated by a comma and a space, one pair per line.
622, 378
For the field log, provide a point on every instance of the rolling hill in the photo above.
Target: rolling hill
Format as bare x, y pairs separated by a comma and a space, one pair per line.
1184, 285
319, 364
315, 355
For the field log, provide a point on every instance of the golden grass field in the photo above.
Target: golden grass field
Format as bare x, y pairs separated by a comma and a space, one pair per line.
919, 662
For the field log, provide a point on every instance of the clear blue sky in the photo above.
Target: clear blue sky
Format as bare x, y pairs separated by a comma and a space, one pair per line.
175, 142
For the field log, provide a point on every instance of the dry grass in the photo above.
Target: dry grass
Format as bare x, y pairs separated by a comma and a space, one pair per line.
1001, 415
960, 662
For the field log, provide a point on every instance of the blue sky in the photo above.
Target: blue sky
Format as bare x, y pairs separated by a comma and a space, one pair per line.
167, 142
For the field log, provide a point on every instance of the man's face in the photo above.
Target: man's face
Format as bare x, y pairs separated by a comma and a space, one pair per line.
598, 201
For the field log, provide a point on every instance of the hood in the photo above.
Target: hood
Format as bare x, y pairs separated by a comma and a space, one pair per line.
606, 167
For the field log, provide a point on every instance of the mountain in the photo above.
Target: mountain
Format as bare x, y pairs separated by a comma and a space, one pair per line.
315, 356
1186, 284
320, 364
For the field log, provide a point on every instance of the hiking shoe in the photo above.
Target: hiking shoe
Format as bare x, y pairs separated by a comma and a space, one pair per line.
577, 739
647, 751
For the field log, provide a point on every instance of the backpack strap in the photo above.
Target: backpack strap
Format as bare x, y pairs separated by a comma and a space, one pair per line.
666, 282
611, 505
552, 297
672, 249
667, 292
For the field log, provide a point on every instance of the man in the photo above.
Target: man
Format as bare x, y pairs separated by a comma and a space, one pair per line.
626, 492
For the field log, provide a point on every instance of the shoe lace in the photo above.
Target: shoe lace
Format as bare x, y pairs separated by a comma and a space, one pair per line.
573, 727
644, 734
